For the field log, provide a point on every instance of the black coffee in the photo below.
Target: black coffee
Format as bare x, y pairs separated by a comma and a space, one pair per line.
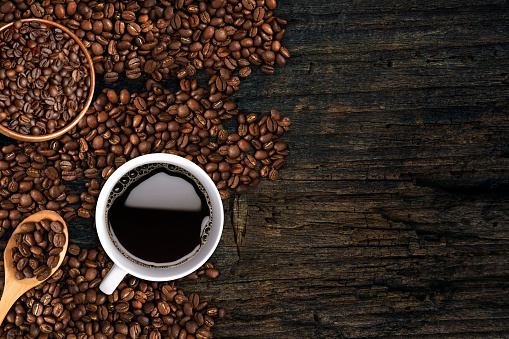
156, 212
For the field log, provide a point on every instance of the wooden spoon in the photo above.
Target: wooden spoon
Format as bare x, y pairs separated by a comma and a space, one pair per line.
14, 288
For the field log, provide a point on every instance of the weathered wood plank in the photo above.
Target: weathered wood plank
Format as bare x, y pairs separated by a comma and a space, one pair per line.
390, 218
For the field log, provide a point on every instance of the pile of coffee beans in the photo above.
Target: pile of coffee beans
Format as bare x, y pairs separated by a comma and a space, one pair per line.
172, 39
122, 126
70, 305
37, 248
44, 79
169, 38
119, 127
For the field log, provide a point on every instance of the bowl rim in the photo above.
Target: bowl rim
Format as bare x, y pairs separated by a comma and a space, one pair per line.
43, 137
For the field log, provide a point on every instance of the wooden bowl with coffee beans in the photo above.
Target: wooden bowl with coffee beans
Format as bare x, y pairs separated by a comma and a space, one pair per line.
47, 80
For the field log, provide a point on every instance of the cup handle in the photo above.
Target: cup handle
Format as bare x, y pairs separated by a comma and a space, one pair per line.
112, 279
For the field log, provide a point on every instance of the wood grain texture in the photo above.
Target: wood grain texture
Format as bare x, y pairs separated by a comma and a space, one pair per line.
391, 218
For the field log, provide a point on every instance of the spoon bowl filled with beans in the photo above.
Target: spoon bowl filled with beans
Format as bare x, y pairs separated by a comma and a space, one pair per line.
34, 252
47, 80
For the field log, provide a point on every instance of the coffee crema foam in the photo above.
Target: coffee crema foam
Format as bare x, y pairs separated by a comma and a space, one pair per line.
133, 177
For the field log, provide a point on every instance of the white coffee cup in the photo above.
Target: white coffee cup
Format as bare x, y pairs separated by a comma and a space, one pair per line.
126, 263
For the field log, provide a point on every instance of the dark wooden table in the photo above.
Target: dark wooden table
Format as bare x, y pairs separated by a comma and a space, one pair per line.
392, 215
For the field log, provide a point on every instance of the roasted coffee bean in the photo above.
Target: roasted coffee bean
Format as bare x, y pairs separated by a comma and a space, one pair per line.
44, 274
150, 66
134, 330
259, 14
133, 28
163, 308
224, 194
127, 294
52, 261
122, 307
267, 69
212, 273
133, 63
7, 7
111, 77
128, 16
140, 103
133, 73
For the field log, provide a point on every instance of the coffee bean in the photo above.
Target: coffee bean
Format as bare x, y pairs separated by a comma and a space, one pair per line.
128, 16
224, 194
44, 274
37, 309
269, 57
249, 4
258, 13
97, 48
122, 307
7, 7
150, 66
271, 125
84, 213
56, 227
244, 72
73, 249
191, 327
133, 73
134, 330
203, 333
212, 273
274, 174
37, 10
260, 155
111, 77
133, 28
127, 294
52, 261
140, 103
25, 200
271, 4
133, 63
267, 69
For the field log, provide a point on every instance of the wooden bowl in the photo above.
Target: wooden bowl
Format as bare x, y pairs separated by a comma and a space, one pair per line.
35, 138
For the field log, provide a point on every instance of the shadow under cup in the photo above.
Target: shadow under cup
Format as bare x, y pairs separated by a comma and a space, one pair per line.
159, 217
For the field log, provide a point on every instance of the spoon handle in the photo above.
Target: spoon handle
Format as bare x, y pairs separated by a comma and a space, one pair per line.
11, 293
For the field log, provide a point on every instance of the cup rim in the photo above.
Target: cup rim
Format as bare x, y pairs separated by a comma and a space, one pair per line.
179, 270
43, 137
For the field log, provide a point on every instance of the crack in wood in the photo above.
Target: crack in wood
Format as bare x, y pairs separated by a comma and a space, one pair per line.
239, 214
